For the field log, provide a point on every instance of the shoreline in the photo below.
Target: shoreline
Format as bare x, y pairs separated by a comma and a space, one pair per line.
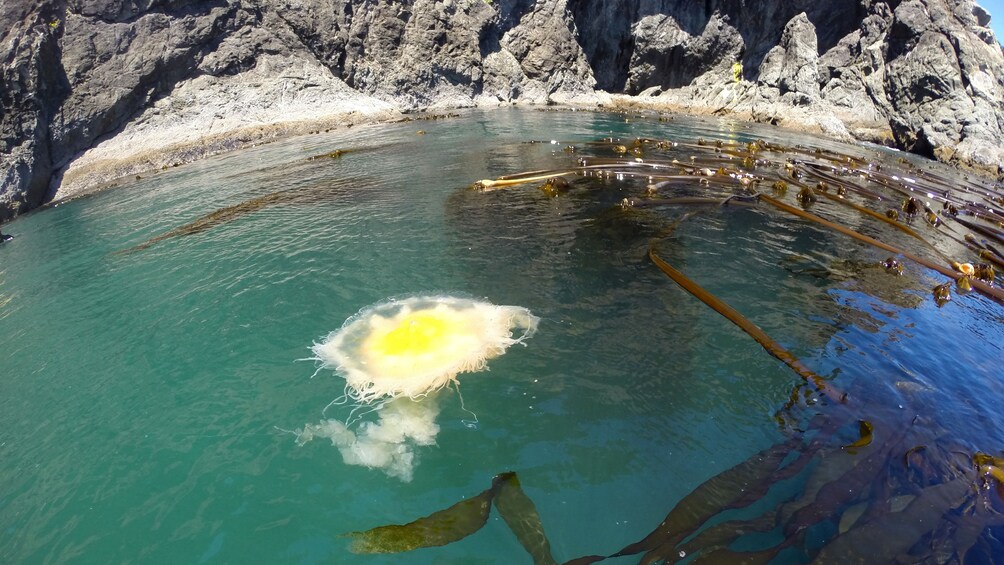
145, 148
94, 171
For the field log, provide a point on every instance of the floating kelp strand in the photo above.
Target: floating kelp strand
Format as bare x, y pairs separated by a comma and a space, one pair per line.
996, 253
989, 254
880, 217
982, 246
817, 173
486, 185
889, 220
719, 536
688, 201
523, 178
987, 231
982, 287
831, 156
342, 151
618, 169
751, 329
599, 163
532, 174
937, 194
980, 212
219, 217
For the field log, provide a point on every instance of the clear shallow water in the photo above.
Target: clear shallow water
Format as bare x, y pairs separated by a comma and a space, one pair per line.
141, 394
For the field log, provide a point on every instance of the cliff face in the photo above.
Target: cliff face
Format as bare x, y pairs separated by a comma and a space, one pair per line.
79, 74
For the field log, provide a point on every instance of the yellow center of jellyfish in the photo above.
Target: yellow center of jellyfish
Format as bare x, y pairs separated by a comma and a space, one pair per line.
415, 334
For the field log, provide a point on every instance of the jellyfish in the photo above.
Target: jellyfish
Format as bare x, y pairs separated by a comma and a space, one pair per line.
394, 356
387, 444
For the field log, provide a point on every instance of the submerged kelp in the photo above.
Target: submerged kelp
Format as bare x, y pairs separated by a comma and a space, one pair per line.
858, 480
311, 194
300, 195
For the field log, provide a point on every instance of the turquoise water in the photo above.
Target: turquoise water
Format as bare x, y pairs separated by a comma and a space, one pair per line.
143, 395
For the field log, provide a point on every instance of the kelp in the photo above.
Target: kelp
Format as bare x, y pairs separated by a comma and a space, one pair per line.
211, 220
340, 152
440, 528
868, 537
985, 288
882, 540
866, 430
906, 508
463, 519
750, 328
896, 492
299, 195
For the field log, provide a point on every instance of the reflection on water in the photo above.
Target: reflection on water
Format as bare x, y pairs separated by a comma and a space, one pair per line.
142, 391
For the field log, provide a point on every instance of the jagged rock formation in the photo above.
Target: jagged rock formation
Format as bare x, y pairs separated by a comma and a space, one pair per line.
93, 89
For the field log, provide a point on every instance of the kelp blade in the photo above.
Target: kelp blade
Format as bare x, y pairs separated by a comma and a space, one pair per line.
439, 528
521, 516
883, 540
463, 519
709, 499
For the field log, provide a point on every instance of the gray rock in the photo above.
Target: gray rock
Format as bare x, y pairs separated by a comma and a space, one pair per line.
799, 74
925, 75
658, 56
945, 84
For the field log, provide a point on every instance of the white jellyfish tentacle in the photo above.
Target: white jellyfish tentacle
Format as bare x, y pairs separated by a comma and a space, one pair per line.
355, 415
472, 424
338, 401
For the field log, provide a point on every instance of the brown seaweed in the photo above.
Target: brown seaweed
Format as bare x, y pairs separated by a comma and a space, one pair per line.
210, 220
520, 514
439, 528
750, 328
882, 540
461, 520
340, 152
228, 214
901, 493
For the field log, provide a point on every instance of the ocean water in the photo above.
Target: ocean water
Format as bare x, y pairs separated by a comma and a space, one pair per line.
147, 397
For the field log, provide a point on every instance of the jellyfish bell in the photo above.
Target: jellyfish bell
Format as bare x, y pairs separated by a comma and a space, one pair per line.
394, 356
414, 346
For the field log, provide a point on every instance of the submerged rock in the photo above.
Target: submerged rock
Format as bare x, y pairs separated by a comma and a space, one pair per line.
97, 89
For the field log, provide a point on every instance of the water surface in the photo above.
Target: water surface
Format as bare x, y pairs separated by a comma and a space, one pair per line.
143, 394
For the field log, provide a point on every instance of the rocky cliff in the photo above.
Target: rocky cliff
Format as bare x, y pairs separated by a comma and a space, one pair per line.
93, 89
